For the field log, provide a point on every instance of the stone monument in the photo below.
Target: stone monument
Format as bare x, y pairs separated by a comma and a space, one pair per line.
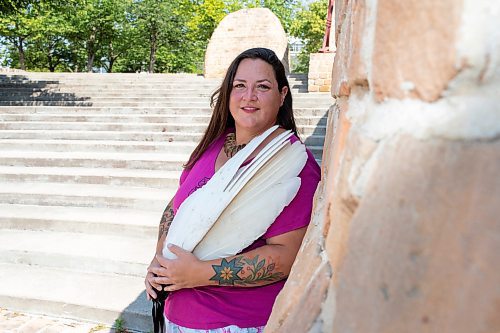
241, 30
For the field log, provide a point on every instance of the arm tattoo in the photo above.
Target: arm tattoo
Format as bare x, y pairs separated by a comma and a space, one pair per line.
243, 271
166, 220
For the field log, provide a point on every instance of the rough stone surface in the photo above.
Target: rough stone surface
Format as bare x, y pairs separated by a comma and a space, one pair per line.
420, 69
423, 241
240, 31
405, 224
349, 67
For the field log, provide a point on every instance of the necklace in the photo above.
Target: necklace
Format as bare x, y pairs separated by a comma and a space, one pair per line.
230, 146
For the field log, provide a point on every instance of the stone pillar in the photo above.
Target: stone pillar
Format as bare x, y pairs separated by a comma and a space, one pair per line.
405, 229
319, 77
320, 64
242, 30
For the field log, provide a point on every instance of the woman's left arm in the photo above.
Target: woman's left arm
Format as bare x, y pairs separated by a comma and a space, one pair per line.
264, 265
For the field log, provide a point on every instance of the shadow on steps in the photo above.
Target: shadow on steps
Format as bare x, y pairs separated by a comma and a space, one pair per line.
28, 92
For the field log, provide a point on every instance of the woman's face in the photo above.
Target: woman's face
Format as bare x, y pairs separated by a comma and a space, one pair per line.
255, 100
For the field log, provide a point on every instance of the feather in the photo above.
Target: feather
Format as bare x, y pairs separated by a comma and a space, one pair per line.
257, 205
249, 170
200, 210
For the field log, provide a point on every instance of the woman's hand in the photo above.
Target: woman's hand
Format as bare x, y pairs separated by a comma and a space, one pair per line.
183, 272
151, 285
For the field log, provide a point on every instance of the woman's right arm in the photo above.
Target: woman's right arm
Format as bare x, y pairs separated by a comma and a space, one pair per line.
165, 222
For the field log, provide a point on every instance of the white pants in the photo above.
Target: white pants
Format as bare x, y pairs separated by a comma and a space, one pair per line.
174, 328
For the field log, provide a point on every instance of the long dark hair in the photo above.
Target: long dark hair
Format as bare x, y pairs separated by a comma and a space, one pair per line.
222, 119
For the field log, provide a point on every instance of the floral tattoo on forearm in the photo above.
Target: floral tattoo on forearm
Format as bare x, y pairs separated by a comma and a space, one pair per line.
166, 220
243, 271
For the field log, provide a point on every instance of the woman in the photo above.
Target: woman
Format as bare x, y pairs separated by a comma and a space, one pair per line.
235, 294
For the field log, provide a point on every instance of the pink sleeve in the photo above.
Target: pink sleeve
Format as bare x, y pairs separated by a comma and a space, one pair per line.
298, 213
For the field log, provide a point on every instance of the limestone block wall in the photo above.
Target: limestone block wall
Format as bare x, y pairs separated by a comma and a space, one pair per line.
320, 72
405, 234
241, 30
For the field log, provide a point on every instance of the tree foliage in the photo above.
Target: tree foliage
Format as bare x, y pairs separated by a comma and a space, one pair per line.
128, 35
9, 6
310, 26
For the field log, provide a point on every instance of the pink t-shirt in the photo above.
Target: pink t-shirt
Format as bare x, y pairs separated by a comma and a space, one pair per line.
219, 306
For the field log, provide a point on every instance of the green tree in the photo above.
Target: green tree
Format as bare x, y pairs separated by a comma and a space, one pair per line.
35, 34
48, 47
9, 6
285, 10
135, 35
96, 25
117, 35
310, 26
16, 26
161, 25
206, 16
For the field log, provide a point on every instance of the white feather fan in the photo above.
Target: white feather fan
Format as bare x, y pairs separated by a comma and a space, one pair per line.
244, 201
257, 205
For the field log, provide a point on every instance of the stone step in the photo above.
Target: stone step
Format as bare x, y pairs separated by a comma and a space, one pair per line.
85, 195
101, 135
129, 84
110, 77
124, 89
145, 127
71, 97
180, 148
134, 88
122, 76
13, 94
118, 77
110, 84
131, 118
96, 81
78, 251
53, 92
141, 103
90, 82
88, 103
64, 100
90, 220
150, 161
105, 176
27, 94
310, 140
100, 298
106, 90
159, 111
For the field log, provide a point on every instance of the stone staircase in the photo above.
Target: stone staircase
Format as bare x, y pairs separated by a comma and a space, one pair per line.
87, 165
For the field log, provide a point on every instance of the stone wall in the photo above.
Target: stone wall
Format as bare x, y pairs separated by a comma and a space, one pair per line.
241, 30
319, 77
405, 234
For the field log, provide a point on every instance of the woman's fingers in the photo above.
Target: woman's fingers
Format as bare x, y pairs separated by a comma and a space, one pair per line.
151, 279
162, 280
159, 271
150, 293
